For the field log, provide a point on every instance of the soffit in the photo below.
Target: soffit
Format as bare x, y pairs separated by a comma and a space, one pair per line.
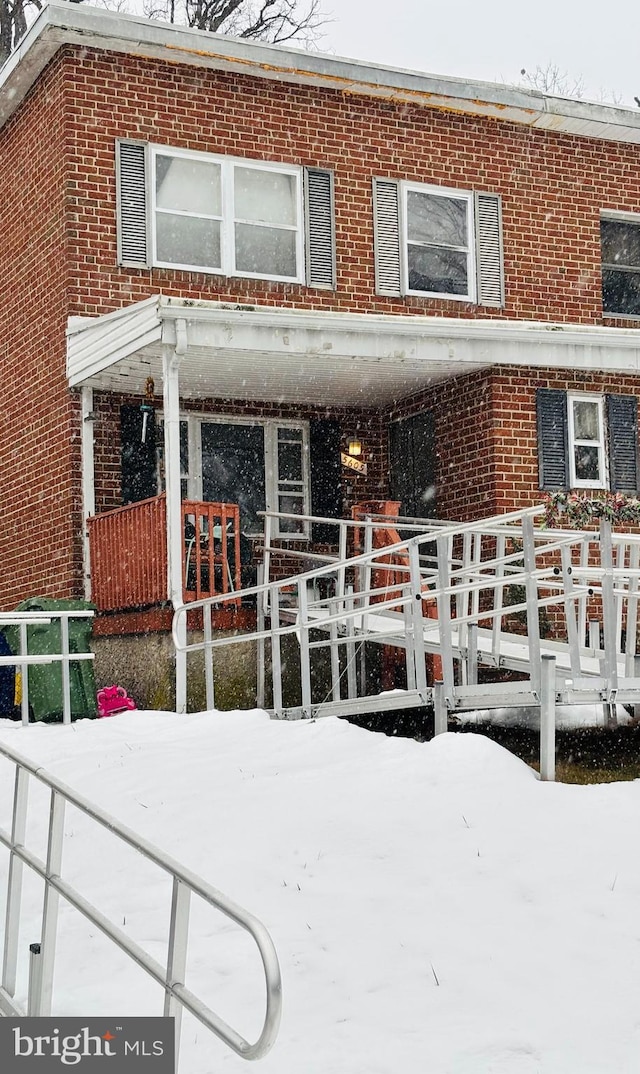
317, 357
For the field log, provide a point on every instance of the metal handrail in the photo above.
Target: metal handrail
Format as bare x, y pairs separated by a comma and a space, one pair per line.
466, 579
184, 884
65, 657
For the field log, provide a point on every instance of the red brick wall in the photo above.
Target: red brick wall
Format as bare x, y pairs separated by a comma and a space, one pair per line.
486, 435
553, 185
39, 458
57, 216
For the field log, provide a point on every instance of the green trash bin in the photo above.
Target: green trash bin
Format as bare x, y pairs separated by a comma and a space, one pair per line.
45, 680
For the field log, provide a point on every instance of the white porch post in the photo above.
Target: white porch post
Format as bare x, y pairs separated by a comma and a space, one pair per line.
175, 536
88, 481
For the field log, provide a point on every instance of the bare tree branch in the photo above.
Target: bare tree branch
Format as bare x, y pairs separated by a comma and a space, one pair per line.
265, 20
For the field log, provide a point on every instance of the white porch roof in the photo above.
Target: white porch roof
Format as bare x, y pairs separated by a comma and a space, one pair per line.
251, 352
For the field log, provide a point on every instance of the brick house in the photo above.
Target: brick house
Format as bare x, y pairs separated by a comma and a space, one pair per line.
223, 262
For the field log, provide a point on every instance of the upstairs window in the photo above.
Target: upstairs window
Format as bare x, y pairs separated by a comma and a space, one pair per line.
204, 213
620, 242
437, 242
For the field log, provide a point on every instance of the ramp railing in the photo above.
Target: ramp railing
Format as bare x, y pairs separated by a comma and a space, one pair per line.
172, 975
23, 660
502, 592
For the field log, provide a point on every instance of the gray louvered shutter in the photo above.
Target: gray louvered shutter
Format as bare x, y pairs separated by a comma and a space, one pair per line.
319, 228
622, 418
553, 453
489, 261
386, 236
131, 186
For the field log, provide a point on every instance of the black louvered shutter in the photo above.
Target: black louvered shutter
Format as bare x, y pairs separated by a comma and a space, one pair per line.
412, 465
386, 236
489, 261
319, 228
622, 419
137, 459
131, 187
553, 454
326, 476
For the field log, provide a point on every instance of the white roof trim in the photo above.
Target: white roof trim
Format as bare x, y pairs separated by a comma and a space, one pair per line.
62, 22
253, 352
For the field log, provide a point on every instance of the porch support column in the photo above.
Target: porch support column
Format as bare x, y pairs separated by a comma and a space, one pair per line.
175, 538
88, 481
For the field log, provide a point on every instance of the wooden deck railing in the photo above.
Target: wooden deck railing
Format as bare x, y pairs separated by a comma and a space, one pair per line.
128, 553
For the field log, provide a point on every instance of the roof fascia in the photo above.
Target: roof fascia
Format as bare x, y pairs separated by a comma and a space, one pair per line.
62, 22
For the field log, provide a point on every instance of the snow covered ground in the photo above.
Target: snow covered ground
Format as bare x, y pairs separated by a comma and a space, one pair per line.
434, 906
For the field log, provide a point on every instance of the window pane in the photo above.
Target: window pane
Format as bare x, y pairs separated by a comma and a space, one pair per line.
436, 219
442, 271
620, 292
185, 240
233, 469
620, 243
290, 462
190, 185
265, 251
585, 420
587, 460
290, 504
265, 197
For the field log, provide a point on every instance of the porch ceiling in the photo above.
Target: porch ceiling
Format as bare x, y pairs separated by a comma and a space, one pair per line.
317, 357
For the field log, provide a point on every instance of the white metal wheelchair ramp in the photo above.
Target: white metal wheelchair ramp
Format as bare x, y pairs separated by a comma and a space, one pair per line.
446, 600
172, 976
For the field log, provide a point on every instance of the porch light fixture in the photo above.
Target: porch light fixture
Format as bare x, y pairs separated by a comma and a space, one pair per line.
355, 446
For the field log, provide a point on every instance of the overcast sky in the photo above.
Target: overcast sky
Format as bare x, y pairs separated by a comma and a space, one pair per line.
492, 40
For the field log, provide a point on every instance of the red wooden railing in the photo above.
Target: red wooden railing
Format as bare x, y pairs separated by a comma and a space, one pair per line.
212, 549
128, 553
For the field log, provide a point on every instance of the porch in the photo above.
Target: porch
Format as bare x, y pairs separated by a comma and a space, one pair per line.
270, 396
129, 561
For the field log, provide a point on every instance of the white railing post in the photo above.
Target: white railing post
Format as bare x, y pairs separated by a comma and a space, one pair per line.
531, 590
444, 615
440, 711
14, 881
66, 677
608, 609
276, 661
305, 654
208, 657
414, 596
548, 718
43, 995
24, 675
177, 954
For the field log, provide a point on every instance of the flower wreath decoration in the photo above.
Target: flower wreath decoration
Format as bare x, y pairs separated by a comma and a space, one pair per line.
564, 509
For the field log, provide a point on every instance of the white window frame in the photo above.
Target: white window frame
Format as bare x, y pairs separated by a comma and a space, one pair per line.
273, 486
601, 443
228, 220
444, 192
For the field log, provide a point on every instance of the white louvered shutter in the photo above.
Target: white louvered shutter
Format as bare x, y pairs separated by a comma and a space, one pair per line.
490, 271
131, 181
319, 228
386, 236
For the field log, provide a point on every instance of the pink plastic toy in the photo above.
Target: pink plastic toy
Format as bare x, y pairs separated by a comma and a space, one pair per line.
114, 699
